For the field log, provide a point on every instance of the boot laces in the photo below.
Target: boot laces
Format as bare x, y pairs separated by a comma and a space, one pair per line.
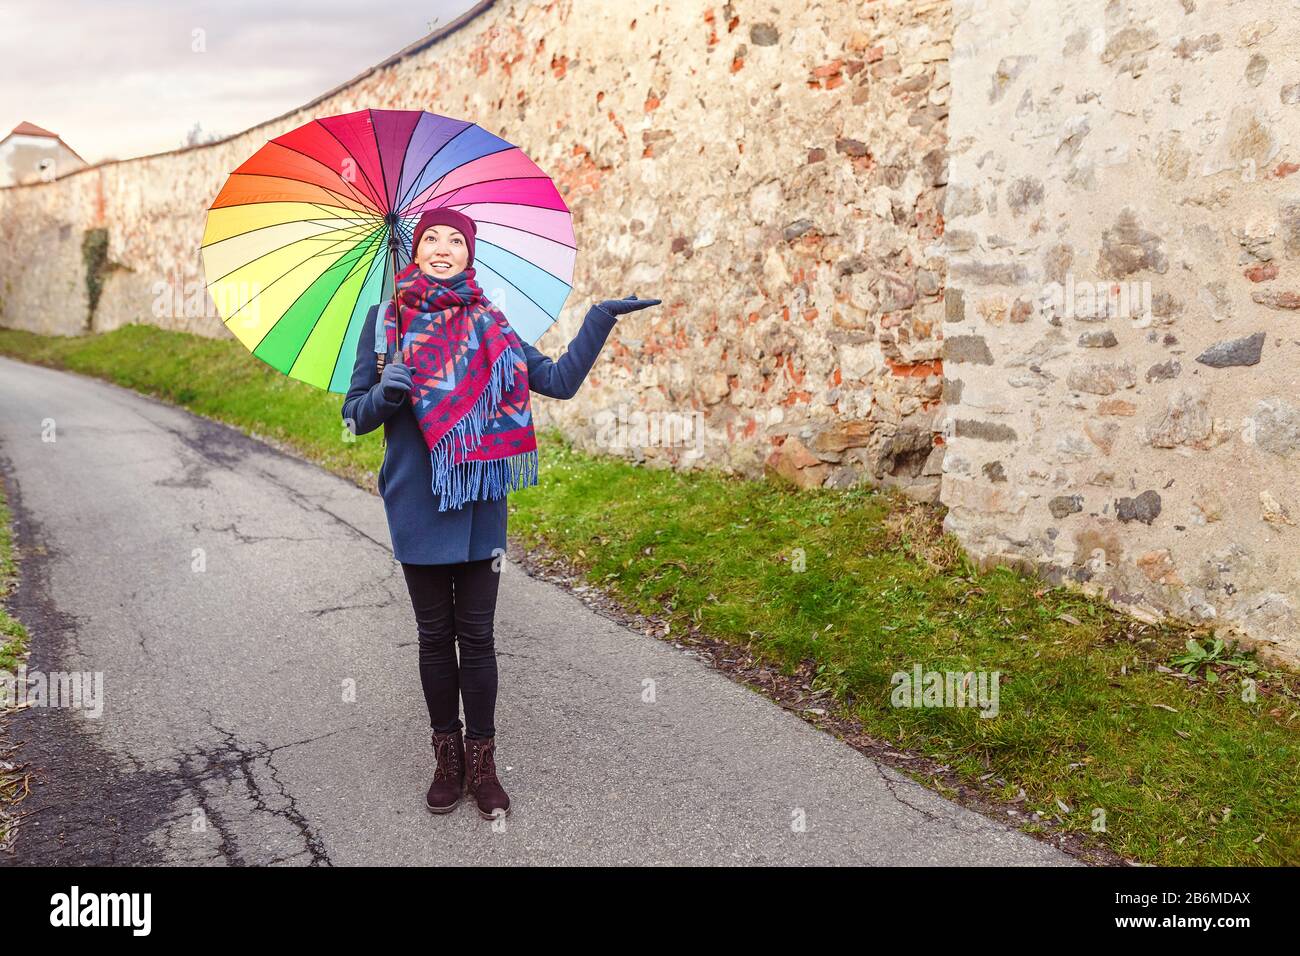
444, 750
484, 763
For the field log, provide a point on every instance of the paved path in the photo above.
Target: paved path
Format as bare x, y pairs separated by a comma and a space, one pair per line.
226, 737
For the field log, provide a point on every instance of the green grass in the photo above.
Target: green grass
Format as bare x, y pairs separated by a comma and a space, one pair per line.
13, 636
13, 650
1093, 712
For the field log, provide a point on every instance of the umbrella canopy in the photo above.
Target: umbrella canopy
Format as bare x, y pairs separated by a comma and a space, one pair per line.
308, 233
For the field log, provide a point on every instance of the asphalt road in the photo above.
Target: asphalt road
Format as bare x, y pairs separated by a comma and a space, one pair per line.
228, 734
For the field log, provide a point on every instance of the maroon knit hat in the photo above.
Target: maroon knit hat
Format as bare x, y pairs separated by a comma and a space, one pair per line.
446, 216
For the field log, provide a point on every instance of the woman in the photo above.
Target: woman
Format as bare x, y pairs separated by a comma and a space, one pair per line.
459, 436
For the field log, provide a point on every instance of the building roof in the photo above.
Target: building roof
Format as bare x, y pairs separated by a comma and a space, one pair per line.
31, 129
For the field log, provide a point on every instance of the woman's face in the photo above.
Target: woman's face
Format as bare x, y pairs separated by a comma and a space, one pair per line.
442, 252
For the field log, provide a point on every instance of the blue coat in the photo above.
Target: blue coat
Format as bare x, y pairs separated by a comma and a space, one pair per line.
420, 533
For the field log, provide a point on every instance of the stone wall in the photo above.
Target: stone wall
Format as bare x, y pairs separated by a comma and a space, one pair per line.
1124, 265
775, 175
1113, 296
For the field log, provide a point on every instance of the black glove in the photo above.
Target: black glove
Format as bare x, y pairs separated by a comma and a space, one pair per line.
617, 307
396, 381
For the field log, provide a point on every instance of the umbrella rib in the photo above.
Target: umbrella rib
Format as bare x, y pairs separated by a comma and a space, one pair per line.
529, 232
406, 194
273, 282
338, 222
351, 272
324, 221
499, 179
529, 261
374, 218
369, 269
351, 228
279, 277
364, 199
438, 182
528, 205
362, 214
333, 241
409, 137
379, 205
529, 297
379, 152
353, 232
342, 198
442, 178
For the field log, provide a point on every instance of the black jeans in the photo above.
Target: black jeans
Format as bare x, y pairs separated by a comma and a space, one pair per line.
456, 604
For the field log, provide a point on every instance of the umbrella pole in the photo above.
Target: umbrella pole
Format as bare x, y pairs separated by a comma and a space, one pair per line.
391, 220
397, 312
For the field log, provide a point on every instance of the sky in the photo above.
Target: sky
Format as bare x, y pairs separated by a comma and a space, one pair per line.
122, 78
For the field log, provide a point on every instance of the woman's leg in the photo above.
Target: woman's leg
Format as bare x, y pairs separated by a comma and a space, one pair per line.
430, 587
475, 586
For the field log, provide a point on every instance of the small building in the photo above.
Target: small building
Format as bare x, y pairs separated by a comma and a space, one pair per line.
30, 154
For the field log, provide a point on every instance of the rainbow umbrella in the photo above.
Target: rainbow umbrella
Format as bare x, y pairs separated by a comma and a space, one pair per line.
309, 233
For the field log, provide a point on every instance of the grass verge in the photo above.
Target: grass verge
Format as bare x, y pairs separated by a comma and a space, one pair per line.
13, 651
1102, 720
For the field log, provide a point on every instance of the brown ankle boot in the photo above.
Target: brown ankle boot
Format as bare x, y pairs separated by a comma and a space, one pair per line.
481, 778
449, 776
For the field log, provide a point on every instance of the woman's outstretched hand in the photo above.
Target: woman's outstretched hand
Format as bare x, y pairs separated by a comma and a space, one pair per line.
617, 307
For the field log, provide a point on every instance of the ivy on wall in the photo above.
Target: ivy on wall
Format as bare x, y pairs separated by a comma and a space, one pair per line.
94, 256
98, 268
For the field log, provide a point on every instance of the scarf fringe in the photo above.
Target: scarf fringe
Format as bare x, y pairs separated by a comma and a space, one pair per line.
456, 482
479, 480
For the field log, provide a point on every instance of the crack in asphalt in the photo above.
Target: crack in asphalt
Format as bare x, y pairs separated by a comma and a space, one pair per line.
929, 815
299, 498
322, 611
375, 583
245, 538
227, 849
234, 761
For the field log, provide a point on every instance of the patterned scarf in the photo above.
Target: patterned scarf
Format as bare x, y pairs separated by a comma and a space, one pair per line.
469, 387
